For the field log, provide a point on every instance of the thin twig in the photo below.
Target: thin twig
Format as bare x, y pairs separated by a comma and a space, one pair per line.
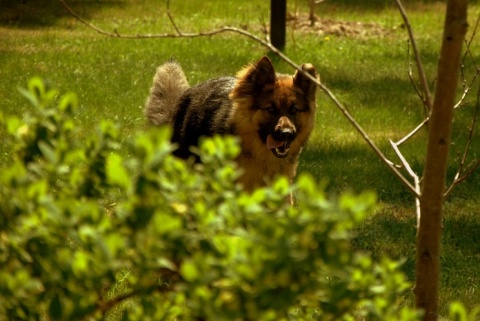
116, 34
458, 176
171, 19
475, 165
413, 132
419, 94
415, 177
467, 89
105, 306
412, 81
468, 52
474, 33
427, 101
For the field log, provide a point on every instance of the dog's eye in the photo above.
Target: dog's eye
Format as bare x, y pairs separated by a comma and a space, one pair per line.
294, 110
270, 109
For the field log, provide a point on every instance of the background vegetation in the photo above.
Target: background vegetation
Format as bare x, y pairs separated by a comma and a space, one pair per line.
368, 72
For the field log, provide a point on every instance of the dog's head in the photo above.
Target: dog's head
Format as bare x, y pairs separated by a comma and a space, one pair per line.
280, 108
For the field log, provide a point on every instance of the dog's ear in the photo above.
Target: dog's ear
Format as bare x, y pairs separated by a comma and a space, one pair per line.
301, 81
252, 79
262, 73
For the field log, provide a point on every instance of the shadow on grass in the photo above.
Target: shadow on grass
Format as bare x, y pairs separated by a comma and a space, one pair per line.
392, 232
353, 166
45, 13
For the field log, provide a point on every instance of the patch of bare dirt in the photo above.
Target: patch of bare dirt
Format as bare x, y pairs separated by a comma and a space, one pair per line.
326, 27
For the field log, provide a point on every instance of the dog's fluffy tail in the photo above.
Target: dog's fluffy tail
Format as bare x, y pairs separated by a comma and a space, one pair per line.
168, 86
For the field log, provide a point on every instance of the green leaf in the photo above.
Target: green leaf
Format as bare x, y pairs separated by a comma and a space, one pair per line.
207, 147
13, 124
281, 185
115, 243
117, 175
68, 103
108, 128
29, 96
306, 184
189, 271
48, 152
80, 263
36, 86
164, 262
457, 312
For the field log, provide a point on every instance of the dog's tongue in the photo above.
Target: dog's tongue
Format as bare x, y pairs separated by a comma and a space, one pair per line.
272, 143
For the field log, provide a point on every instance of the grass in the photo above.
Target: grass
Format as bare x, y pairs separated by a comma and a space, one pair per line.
369, 74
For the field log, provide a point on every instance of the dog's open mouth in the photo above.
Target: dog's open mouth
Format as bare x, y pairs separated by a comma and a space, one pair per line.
279, 148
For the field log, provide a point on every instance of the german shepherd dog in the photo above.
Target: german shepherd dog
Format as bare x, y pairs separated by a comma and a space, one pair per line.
272, 114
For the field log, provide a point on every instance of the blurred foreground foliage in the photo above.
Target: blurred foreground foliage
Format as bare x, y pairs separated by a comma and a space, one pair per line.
103, 229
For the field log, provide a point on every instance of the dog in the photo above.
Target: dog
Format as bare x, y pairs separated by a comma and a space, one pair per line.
272, 114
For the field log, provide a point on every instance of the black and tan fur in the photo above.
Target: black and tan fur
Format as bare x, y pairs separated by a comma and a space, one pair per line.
273, 114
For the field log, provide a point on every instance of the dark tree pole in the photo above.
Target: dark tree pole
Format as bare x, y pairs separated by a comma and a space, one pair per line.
278, 23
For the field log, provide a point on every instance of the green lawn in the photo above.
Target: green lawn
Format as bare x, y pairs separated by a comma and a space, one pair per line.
367, 72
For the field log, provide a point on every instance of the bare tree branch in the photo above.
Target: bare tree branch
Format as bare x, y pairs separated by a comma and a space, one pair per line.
427, 97
466, 90
459, 176
415, 177
312, 4
419, 94
468, 52
413, 132
469, 43
472, 168
178, 34
171, 19
462, 175
412, 81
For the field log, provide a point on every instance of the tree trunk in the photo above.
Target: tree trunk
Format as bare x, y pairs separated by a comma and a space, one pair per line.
311, 15
278, 23
433, 188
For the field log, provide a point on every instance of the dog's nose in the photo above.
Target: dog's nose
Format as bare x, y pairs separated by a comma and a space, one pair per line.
285, 130
286, 134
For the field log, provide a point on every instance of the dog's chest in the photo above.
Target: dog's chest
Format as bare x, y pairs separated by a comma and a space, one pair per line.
261, 171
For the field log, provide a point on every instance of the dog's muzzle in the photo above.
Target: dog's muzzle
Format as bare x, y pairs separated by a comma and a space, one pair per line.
279, 141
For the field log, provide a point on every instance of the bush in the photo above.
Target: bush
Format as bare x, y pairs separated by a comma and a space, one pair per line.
127, 231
